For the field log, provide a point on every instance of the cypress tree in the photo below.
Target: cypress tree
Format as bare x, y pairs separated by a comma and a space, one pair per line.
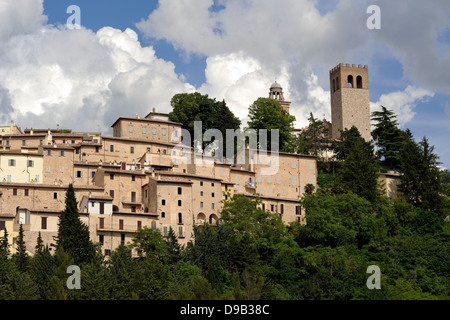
21, 257
73, 235
174, 248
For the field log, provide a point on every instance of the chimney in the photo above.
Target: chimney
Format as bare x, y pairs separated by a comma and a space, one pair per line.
31, 131
12, 125
57, 126
154, 110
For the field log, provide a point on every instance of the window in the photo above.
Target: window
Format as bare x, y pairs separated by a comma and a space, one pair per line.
163, 214
179, 203
281, 208
101, 239
180, 190
269, 179
180, 232
201, 193
12, 163
8, 178
278, 179
294, 180
146, 193
359, 82
153, 131
133, 196
165, 231
43, 223
131, 149
111, 148
163, 131
122, 238
180, 218
133, 178
201, 205
130, 128
121, 224
212, 184
154, 225
2, 225
201, 183
30, 163
212, 206
111, 193
37, 178
144, 129
350, 81
24, 142
111, 176
15, 192
48, 169
25, 192
163, 202
212, 195
107, 252
101, 223
92, 174
61, 169
293, 165
133, 208
221, 172
62, 153
237, 180
139, 225
79, 174
48, 152
102, 208
55, 195
298, 210
272, 208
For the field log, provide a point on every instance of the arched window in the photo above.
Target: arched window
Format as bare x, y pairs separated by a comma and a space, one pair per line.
334, 85
350, 81
213, 219
359, 82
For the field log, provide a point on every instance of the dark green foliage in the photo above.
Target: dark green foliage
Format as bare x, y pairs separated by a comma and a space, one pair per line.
388, 137
73, 234
420, 182
21, 257
268, 114
191, 107
358, 173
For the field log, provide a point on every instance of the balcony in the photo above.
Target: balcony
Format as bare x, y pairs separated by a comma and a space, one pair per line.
116, 227
250, 185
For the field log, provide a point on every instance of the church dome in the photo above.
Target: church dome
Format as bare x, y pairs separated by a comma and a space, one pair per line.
275, 85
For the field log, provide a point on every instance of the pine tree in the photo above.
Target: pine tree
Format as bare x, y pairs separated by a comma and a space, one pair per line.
420, 175
4, 245
73, 234
388, 137
358, 172
21, 257
40, 244
174, 248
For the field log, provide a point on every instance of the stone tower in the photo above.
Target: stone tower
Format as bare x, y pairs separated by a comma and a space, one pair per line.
350, 102
276, 93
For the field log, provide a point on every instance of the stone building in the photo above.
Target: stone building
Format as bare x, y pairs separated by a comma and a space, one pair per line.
350, 102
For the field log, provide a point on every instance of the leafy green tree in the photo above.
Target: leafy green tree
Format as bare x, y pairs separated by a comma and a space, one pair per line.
191, 107
313, 140
268, 114
73, 234
148, 242
388, 137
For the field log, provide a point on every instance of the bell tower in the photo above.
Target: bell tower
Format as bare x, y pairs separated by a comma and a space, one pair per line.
350, 101
276, 93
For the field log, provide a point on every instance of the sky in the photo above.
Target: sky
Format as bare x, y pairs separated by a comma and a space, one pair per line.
130, 56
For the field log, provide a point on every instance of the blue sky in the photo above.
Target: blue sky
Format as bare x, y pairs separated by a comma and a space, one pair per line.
228, 49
